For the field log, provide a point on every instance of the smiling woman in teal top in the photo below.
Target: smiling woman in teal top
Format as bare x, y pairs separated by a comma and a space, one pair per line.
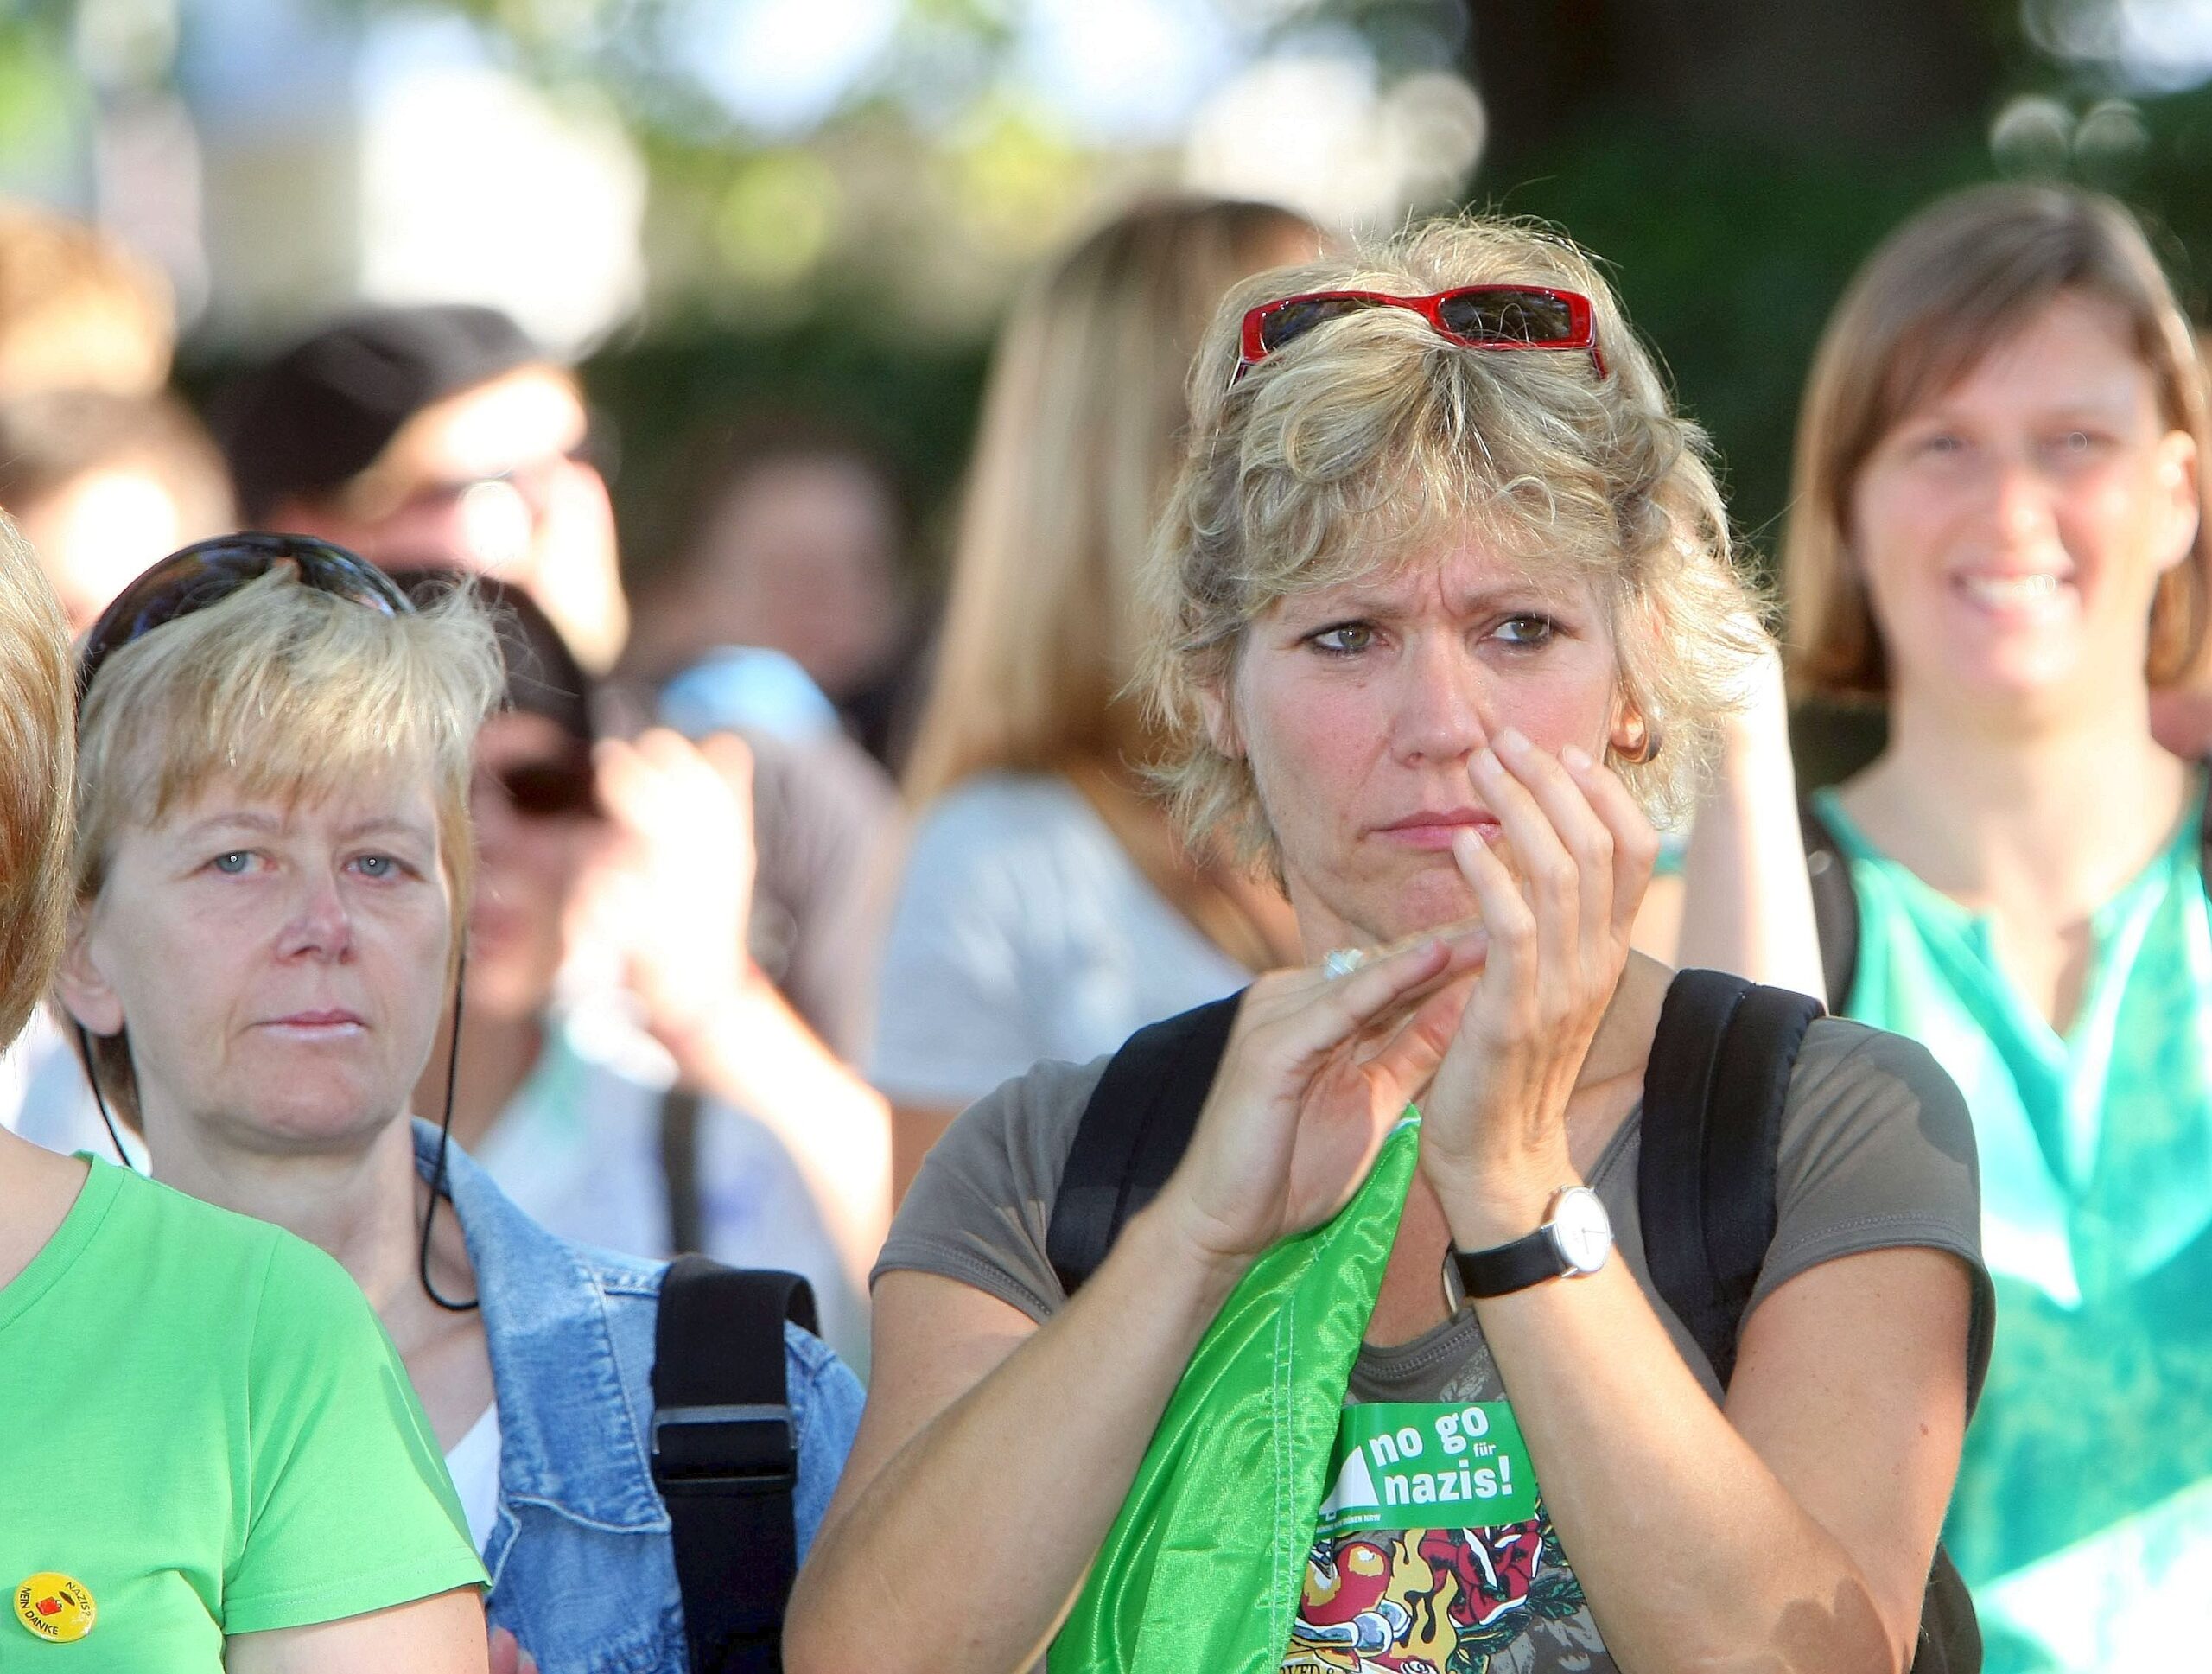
2000, 534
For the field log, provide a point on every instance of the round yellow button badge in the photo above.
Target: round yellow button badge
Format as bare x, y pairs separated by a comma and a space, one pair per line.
54, 1608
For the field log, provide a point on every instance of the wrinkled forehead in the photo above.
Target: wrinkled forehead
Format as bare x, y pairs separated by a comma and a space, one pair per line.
1459, 569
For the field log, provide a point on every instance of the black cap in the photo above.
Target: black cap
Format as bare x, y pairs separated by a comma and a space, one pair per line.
320, 413
542, 675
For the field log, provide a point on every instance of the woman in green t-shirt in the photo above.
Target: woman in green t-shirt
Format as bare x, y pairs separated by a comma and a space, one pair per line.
2000, 535
212, 1460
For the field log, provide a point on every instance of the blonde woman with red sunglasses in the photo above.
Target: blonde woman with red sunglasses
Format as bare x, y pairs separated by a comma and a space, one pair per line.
1442, 611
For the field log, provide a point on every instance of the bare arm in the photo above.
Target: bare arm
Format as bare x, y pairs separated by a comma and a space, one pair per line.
443, 1635
993, 1454
683, 898
754, 1052
992, 1458
1746, 903
1813, 1504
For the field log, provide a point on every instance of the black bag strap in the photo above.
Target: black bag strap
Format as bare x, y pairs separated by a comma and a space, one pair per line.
1713, 1099
725, 1455
1712, 1104
1836, 905
2204, 828
1133, 1132
679, 1167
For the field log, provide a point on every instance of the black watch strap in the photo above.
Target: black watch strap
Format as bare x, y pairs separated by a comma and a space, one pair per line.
1510, 1267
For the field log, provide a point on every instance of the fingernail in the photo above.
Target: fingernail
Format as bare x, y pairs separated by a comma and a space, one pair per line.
1486, 760
1512, 742
1576, 757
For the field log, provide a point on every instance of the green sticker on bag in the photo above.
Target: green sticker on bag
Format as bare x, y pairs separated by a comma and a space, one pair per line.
1419, 1465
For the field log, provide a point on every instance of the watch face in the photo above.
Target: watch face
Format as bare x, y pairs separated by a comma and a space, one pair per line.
1582, 1230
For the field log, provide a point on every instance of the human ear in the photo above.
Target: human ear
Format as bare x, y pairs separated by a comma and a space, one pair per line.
1219, 709
83, 989
2177, 466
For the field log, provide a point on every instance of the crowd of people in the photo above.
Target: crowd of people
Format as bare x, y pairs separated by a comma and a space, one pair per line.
1256, 1098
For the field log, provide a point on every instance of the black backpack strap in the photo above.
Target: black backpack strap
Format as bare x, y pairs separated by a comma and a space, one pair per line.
725, 1455
1133, 1132
679, 1167
1836, 905
1713, 1100
2204, 828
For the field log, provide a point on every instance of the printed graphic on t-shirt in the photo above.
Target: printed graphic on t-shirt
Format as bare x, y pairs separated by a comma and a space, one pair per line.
1433, 1554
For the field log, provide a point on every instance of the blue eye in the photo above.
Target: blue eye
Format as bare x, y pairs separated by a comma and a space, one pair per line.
376, 866
232, 863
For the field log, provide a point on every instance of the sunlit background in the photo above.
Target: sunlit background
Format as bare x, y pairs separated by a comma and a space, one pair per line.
726, 205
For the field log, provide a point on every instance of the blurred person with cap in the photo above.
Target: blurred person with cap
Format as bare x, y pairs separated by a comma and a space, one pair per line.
574, 1109
435, 433
77, 311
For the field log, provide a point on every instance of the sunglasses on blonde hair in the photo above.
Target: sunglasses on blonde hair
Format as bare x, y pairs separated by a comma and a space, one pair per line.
1471, 317
197, 577
207, 572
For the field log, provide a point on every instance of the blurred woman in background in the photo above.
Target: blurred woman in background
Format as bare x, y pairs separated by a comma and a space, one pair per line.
2000, 535
1047, 908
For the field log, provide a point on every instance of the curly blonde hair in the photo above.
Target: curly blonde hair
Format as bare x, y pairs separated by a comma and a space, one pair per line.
1365, 443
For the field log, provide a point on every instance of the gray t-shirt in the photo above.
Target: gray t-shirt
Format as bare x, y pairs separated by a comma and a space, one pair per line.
1877, 1152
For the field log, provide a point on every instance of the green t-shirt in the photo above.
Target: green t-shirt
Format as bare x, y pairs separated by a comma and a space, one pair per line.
205, 1428
2083, 1513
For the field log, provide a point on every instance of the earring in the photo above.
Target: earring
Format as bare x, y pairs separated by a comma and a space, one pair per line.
1642, 747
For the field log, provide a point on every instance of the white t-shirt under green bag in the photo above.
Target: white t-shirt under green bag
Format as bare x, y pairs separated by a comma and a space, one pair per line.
203, 1426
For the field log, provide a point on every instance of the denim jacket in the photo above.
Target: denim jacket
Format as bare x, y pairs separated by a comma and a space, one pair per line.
583, 1572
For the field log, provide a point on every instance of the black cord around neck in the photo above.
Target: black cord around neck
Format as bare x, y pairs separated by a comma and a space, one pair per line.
93, 1076
445, 1139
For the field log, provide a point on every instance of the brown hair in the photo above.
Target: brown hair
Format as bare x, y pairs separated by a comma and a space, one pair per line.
37, 752
1372, 437
1082, 422
1952, 283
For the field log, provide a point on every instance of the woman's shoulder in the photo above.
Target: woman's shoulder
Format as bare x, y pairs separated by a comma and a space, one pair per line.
1877, 1152
209, 1256
1849, 1071
979, 1209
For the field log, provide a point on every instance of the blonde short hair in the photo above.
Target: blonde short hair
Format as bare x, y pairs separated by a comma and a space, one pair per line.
286, 691
1366, 442
37, 746
1944, 289
1083, 423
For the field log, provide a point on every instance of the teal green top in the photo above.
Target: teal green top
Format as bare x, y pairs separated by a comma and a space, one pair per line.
2083, 1512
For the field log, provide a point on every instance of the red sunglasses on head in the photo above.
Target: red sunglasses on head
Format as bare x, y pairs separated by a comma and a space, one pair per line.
1473, 316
